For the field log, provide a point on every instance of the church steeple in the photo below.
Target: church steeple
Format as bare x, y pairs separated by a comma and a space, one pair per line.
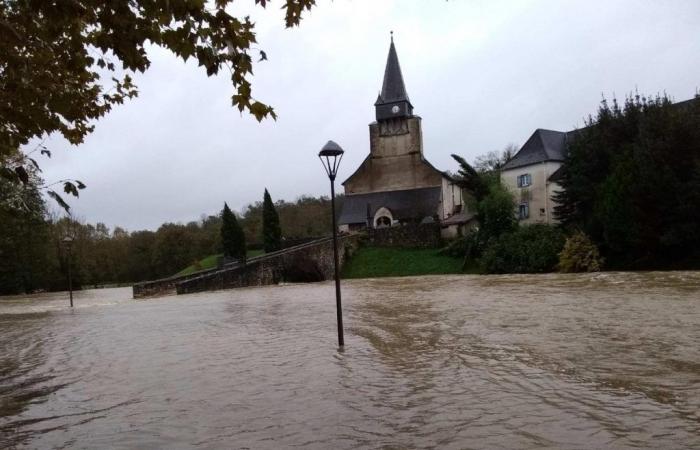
393, 100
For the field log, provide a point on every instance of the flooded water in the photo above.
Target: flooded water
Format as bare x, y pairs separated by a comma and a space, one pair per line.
555, 361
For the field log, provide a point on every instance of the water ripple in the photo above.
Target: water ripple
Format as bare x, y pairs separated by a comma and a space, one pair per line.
552, 361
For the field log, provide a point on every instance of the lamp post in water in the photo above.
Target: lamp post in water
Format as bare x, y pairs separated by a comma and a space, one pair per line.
68, 241
330, 156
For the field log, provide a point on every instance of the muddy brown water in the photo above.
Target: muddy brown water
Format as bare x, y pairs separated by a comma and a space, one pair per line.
607, 360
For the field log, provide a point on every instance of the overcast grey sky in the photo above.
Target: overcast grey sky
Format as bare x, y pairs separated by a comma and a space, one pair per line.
481, 74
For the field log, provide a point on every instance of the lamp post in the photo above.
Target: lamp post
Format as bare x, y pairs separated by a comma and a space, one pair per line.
330, 156
68, 241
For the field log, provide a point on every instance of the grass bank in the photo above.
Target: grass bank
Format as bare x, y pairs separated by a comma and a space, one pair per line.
372, 262
210, 262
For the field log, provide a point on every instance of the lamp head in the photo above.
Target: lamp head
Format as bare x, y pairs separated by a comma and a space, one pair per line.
330, 155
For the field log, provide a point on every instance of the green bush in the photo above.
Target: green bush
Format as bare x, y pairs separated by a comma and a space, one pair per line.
464, 246
496, 213
529, 249
580, 254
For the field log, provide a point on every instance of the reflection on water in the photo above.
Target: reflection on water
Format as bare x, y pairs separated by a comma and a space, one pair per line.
558, 361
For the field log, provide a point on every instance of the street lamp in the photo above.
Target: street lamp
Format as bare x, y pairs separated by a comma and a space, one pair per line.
68, 241
330, 156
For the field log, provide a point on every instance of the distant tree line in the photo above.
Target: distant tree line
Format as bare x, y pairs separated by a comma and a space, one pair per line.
33, 256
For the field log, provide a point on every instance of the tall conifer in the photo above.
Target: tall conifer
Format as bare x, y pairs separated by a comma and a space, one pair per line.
232, 236
272, 233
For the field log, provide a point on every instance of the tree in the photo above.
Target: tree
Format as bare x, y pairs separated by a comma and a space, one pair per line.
172, 249
272, 233
496, 213
24, 243
632, 183
494, 160
495, 208
232, 237
65, 64
470, 179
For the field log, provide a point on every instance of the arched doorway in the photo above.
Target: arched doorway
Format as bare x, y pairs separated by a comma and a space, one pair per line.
383, 218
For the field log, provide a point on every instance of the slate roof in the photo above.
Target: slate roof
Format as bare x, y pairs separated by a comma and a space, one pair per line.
444, 173
550, 145
393, 88
543, 145
404, 204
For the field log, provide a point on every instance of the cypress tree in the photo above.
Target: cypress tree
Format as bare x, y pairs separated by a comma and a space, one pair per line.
272, 233
232, 237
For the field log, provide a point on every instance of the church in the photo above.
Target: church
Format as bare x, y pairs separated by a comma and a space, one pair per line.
395, 184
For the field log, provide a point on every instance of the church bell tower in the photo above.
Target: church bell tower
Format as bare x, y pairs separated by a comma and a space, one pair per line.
393, 102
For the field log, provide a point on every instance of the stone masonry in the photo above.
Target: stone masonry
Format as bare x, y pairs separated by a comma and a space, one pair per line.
307, 262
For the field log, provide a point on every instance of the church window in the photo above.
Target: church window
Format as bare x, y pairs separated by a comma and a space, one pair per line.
524, 180
524, 211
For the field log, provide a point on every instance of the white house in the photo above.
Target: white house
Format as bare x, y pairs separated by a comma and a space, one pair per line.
532, 174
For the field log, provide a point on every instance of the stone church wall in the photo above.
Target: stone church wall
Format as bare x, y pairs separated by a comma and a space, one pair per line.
395, 163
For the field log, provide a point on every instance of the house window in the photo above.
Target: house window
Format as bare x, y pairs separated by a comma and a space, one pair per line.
524, 180
542, 212
523, 211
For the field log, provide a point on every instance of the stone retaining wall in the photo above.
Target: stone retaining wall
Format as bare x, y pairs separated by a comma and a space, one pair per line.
312, 261
164, 286
407, 236
304, 263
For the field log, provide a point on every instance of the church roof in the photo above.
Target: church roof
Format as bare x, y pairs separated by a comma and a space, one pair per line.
404, 204
393, 88
543, 145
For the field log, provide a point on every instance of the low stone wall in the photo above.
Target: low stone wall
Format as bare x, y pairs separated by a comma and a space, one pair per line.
304, 263
307, 262
407, 236
256, 273
164, 286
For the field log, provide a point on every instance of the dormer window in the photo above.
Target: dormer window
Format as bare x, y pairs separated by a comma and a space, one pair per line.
524, 180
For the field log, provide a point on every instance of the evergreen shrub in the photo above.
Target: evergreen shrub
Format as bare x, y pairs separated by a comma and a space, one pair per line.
580, 254
528, 249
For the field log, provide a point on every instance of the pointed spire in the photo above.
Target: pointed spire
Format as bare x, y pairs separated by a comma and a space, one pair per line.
393, 88
393, 102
